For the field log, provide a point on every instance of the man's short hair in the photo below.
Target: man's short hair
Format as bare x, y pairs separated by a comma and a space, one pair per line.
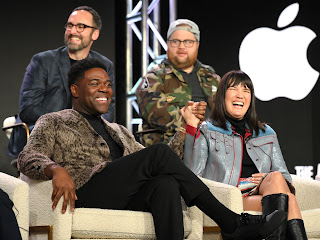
78, 69
95, 15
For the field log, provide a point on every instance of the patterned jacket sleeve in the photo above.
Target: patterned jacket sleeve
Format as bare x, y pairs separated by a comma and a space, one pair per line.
35, 157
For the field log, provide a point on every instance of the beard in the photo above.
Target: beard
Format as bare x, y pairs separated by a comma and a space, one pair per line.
182, 64
76, 47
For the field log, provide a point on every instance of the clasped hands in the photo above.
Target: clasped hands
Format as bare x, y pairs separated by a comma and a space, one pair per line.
193, 113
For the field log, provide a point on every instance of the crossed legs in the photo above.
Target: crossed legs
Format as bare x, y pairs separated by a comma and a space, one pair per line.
151, 180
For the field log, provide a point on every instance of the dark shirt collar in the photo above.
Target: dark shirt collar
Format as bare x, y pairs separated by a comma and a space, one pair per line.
72, 61
90, 117
237, 124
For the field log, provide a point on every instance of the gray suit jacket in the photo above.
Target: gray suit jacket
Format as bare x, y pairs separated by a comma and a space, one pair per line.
45, 89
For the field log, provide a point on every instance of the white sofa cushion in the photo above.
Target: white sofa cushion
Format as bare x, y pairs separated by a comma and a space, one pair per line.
98, 223
311, 222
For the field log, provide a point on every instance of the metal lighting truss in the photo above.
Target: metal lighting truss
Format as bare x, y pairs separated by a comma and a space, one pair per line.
140, 13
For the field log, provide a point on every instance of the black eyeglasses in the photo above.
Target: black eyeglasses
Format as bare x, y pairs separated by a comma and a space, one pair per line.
80, 27
187, 43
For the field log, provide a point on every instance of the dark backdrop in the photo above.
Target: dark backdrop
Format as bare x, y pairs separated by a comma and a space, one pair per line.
28, 28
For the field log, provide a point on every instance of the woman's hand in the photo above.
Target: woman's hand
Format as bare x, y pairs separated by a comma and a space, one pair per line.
188, 114
256, 178
199, 110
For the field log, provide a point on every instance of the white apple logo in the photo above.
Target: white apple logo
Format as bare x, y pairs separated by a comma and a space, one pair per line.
276, 61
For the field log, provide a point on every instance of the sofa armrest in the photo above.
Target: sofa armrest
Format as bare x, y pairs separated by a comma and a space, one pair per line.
307, 192
41, 213
40, 201
62, 223
18, 192
228, 195
196, 216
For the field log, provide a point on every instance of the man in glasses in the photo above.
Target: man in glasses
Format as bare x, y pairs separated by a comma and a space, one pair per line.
45, 85
178, 79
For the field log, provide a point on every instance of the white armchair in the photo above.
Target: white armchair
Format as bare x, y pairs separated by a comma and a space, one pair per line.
307, 194
91, 223
18, 192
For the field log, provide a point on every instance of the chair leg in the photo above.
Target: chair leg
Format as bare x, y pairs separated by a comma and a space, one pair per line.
41, 229
213, 229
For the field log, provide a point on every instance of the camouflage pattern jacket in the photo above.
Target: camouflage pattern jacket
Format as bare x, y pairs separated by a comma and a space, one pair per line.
162, 93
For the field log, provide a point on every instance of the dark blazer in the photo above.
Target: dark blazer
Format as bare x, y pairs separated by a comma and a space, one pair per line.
45, 89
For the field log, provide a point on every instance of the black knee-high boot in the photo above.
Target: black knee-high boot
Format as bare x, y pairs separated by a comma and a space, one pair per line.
276, 202
296, 230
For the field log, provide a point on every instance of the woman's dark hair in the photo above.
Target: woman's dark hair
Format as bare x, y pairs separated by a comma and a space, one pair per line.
219, 112
79, 68
95, 15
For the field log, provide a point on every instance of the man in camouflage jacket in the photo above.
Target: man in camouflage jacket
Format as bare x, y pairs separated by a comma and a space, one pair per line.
178, 79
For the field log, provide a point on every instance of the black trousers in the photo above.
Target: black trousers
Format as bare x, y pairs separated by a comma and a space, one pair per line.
151, 180
9, 228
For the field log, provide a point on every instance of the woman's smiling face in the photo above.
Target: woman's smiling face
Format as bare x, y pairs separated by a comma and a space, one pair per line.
237, 101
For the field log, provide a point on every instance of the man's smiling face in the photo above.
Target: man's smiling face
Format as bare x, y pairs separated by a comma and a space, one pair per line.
93, 93
76, 41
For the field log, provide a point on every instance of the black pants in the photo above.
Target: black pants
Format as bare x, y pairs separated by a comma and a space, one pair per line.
9, 228
152, 180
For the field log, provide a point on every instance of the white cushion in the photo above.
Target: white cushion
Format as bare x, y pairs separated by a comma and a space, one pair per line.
311, 222
104, 223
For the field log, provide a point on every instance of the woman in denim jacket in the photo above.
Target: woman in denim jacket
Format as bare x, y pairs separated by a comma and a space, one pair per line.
233, 147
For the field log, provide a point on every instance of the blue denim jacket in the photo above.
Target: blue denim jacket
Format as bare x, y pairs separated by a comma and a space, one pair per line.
216, 153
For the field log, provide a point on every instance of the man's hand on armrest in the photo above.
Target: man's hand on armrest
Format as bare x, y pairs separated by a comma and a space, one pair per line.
63, 185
